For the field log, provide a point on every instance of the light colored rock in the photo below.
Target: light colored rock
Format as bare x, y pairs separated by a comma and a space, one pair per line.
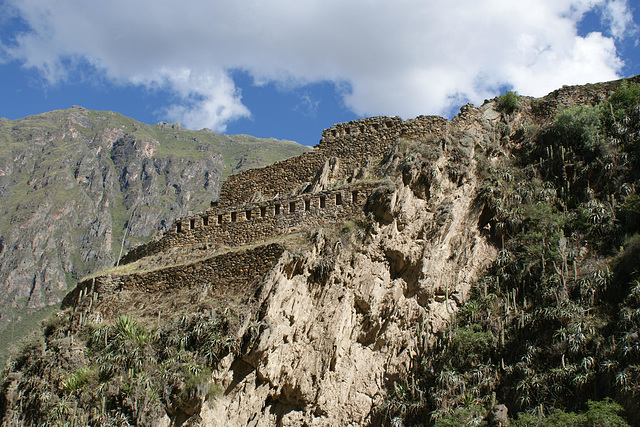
325, 175
332, 347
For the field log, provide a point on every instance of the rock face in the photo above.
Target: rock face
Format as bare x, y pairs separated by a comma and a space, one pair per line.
78, 188
334, 342
345, 262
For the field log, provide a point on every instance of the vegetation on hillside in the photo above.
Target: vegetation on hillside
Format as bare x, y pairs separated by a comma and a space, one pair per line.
508, 102
119, 373
552, 328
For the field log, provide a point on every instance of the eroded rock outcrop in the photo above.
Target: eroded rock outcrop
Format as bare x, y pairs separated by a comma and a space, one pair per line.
347, 318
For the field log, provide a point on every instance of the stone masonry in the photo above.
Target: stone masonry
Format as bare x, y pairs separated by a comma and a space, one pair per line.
237, 219
355, 143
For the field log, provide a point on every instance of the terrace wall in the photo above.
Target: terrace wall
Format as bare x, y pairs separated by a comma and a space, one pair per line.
253, 222
355, 143
237, 273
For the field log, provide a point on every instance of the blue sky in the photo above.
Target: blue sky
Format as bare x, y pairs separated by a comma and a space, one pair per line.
288, 69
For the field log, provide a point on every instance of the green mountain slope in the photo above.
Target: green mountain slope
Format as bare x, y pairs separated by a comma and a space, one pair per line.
551, 329
74, 182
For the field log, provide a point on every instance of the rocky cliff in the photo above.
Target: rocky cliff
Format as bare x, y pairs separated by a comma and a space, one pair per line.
423, 272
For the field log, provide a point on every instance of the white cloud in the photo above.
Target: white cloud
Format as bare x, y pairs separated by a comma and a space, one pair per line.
307, 106
406, 57
619, 18
207, 100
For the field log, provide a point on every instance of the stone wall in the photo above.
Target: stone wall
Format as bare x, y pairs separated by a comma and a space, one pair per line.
588, 94
235, 221
237, 273
354, 143
257, 222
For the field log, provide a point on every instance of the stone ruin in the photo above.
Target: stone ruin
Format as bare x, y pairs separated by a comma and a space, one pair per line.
237, 219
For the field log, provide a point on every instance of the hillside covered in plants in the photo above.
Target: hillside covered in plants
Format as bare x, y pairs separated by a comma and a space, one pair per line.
482, 270
552, 327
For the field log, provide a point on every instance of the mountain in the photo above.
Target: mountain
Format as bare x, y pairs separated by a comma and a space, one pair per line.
78, 188
474, 271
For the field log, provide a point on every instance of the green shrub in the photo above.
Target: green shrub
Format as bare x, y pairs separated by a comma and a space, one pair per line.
198, 384
509, 102
78, 380
472, 346
629, 213
526, 420
603, 413
578, 128
625, 264
621, 117
469, 416
621, 102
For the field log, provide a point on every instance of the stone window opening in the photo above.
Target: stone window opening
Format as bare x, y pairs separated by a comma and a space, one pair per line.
276, 209
220, 219
323, 202
347, 131
205, 221
354, 197
234, 216
263, 211
292, 207
338, 198
248, 215
179, 227
307, 205
192, 223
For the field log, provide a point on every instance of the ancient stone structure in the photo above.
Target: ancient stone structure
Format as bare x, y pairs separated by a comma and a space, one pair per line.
257, 222
355, 143
260, 204
237, 219
235, 273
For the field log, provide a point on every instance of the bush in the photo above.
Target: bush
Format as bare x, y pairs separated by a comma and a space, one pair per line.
629, 213
472, 415
621, 119
78, 380
578, 127
509, 102
621, 102
600, 414
472, 346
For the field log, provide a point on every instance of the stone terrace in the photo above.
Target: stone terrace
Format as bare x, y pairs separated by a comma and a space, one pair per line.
257, 222
355, 143
235, 221
234, 273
